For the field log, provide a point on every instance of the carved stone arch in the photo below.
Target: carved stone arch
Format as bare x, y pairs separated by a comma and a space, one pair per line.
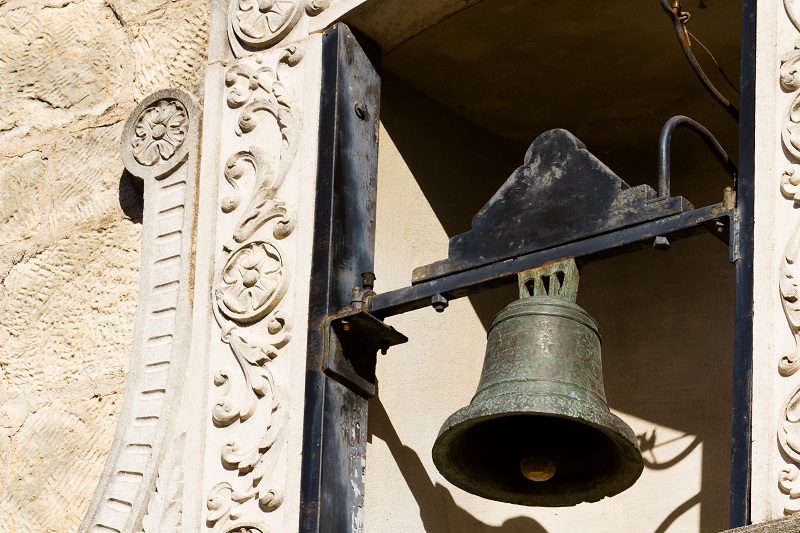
160, 146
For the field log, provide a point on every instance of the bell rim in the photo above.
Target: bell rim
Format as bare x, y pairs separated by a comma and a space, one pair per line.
603, 420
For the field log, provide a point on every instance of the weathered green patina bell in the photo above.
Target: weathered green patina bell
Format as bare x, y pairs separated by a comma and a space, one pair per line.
538, 430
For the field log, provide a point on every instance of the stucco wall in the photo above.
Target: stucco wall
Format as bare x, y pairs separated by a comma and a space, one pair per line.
70, 233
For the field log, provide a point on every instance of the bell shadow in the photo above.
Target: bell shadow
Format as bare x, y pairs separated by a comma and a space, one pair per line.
437, 508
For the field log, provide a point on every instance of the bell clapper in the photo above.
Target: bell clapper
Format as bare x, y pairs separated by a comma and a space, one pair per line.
538, 468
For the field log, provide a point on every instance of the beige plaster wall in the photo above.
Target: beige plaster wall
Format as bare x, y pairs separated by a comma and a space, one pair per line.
666, 320
72, 71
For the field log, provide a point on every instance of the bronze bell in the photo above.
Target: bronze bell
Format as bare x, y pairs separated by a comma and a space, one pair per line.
538, 430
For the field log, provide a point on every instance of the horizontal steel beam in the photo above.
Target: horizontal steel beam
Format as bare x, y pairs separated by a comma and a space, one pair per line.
591, 249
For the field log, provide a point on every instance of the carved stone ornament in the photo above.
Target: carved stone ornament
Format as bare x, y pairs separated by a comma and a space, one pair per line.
141, 488
789, 437
790, 77
159, 132
790, 132
253, 278
789, 286
248, 528
165, 509
259, 24
790, 299
157, 140
792, 8
252, 282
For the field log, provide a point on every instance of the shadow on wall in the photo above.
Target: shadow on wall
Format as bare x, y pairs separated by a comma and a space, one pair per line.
131, 196
438, 510
458, 166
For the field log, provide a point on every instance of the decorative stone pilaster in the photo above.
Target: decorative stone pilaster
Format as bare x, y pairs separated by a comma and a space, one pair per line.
253, 298
775, 474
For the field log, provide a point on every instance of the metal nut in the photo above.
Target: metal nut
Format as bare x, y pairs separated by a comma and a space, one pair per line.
661, 243
439, 303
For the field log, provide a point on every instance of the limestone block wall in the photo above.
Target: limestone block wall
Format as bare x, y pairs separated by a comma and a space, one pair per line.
70, 233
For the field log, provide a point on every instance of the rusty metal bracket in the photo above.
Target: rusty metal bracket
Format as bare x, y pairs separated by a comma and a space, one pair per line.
353, 337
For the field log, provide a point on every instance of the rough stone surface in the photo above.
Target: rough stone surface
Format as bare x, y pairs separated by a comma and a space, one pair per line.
70, 233
57, 453
22, 178
59, 60
79, 193
67, 313
170, 48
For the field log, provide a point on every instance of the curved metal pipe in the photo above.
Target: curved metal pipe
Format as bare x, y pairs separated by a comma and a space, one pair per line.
665, 140
686, 45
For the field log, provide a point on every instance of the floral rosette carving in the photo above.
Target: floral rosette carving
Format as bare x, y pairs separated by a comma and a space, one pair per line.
252, 282
258, 24
159, 132
245, 529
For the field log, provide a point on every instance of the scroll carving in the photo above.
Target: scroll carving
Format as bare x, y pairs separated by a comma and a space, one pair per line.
789, 285
165, 509
259, 24
141, 486
251, 283
790, 298
789, 437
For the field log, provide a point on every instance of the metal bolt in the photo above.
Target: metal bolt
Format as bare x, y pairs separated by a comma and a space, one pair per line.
368, 280
439, 303
661, 243
360, 109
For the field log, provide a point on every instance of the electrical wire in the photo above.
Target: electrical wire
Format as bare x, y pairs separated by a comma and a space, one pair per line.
719, 68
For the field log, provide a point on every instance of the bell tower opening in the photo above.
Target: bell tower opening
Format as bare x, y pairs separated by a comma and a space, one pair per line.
466, 88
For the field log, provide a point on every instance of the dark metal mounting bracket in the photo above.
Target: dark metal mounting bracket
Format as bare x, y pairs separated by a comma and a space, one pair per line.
564, 202
353, 337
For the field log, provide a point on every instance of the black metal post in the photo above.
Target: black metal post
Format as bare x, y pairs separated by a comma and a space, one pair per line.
335, 420
743, 341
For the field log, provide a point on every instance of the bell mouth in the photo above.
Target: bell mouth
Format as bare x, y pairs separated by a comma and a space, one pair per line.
592, 456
